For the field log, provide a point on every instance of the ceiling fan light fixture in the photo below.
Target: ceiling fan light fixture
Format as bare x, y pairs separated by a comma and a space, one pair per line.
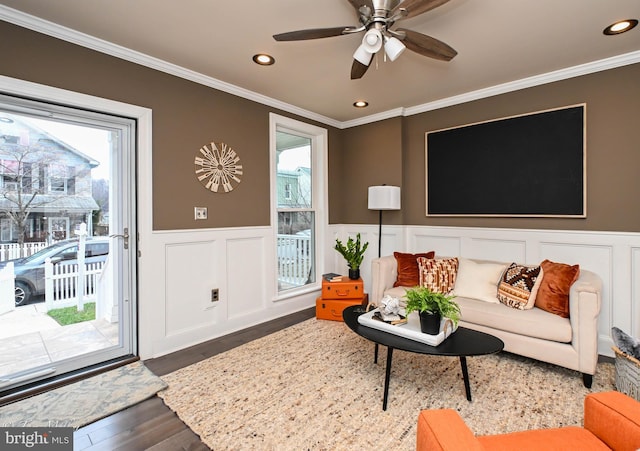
393, 47
619, 27
362, 55
372, 41
263, 59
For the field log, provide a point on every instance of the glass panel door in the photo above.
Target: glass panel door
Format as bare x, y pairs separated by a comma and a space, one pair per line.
67, 195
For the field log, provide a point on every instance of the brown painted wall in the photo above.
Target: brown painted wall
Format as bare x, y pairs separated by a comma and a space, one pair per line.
186, 116
372, 156
613, 151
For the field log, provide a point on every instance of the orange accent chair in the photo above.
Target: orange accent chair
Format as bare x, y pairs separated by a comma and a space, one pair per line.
611, 421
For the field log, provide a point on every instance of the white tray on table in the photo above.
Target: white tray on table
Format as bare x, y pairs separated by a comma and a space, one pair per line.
411, 329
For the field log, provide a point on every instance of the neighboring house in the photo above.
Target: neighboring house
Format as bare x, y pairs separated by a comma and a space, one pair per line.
45, 184
294, 191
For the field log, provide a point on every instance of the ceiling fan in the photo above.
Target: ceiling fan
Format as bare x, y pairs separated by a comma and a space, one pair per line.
376, 19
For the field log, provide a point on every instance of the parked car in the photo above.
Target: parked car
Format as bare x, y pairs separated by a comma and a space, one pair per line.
29, 271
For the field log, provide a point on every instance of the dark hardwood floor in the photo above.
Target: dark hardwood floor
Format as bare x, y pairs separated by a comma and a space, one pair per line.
152, 425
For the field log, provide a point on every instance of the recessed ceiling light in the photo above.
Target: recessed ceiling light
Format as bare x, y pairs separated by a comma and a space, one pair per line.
360, 104
263, 59
620, 27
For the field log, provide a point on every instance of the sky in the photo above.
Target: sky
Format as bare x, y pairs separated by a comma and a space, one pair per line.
92, 142
291, 159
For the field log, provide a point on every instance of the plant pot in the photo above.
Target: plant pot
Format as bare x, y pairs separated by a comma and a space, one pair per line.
430, 323
354, 274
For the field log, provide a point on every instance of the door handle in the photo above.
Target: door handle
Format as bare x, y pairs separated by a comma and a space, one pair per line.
124, 236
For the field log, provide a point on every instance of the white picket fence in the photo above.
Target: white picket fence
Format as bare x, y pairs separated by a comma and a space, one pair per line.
14, 250
294, 260
61, 282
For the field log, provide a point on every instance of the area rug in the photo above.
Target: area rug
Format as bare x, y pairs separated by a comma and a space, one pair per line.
85, 401
314, 386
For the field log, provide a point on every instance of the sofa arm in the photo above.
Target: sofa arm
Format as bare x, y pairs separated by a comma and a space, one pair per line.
584, 307
444, 429
384, 272
614, 418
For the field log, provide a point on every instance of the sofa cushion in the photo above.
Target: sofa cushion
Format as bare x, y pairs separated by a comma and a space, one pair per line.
478, 280
533, 323
519, 285
438, 274
408, 275
568, 437
553, 294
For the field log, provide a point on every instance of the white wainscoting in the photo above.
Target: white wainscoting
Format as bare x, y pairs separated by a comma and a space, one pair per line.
178, 269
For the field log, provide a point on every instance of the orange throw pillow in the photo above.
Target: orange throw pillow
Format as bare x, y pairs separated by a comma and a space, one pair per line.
408, 275
553, 294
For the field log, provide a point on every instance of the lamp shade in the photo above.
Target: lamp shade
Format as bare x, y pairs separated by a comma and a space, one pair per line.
372, 41
384, 197
393, 47
362, 55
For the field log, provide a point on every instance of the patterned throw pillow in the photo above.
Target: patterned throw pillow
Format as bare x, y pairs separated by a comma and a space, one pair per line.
519, 286
438, 274
408, 268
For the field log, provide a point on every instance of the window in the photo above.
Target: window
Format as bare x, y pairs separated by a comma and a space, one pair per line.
298, 156
57, 179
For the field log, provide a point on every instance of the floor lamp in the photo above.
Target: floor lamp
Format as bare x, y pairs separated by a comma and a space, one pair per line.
383, 197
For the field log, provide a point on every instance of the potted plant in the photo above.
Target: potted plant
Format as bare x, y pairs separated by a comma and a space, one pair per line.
432, 307
353, 253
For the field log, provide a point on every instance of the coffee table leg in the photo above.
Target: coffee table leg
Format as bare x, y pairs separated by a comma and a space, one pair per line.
387, 377
375, 354
465, 376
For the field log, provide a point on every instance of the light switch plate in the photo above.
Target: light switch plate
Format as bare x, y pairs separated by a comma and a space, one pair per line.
200, 212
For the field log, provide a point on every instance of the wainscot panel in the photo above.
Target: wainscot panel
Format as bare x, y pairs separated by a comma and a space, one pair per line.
179, 269
245, 276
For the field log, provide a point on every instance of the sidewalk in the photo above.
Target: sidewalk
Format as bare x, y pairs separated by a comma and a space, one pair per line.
30, 338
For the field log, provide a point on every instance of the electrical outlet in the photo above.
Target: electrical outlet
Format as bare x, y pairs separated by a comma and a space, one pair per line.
215, 295
200, 212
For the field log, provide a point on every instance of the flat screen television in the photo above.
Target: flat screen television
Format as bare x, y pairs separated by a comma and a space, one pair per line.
531, 165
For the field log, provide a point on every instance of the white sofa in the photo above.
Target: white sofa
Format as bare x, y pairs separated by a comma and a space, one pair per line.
568, 342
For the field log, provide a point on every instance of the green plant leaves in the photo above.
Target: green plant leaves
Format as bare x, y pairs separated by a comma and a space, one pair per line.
421, 299
353, 252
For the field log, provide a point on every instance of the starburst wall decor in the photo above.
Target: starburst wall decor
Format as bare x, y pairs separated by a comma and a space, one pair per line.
217, 165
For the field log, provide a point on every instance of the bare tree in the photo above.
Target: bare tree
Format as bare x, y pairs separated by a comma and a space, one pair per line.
22, 185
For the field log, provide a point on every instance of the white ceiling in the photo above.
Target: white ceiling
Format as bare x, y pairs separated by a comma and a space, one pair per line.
498, 42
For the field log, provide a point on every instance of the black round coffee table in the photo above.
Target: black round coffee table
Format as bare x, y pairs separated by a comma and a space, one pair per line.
464, 342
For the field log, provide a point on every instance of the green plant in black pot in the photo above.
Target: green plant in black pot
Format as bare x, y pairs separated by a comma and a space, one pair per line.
353, 253
432, 307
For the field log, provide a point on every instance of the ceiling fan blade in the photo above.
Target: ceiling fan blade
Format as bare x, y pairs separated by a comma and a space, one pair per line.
313, 33
358, 69
417, 7
427, 46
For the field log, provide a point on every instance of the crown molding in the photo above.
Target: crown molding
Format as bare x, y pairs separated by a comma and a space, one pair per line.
536, 80
75, 37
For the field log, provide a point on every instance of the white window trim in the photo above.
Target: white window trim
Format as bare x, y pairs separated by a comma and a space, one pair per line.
320, 152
